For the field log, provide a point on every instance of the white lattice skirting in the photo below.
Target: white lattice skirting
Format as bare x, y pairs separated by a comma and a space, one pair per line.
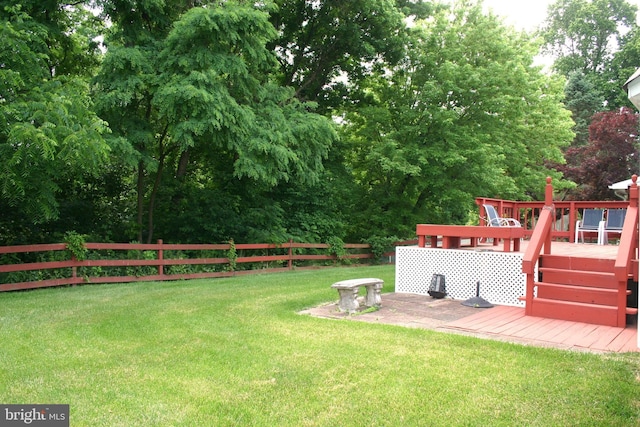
499, 273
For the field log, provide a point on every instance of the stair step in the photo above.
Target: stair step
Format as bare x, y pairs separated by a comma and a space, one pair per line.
577, 263
575, 312
568, 292
594, 279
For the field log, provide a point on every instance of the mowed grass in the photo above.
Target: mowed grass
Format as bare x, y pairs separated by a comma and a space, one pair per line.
227, 352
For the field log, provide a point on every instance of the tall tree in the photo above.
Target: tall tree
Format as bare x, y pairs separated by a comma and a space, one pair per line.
625, 62
321, 44
49, 134
194, 84
583, 99
465, 114
69, 30
582, 34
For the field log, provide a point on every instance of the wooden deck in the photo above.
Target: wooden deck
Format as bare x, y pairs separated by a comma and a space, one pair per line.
510, 324
587, 250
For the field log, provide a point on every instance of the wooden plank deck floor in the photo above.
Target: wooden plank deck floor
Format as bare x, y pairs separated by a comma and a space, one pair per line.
587, 250
510, 324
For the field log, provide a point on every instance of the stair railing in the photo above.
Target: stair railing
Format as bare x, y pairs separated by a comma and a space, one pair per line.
627, 251
541, 237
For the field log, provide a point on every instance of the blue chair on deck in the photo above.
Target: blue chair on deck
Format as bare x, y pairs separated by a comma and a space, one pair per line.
613, 224
494, 220
591, 219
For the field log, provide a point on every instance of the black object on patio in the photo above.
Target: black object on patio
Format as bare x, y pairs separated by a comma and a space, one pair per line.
437, 289
477, 301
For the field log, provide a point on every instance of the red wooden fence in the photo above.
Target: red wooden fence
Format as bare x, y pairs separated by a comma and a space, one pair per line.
263, 257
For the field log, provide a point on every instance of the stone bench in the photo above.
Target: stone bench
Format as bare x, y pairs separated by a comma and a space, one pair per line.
348, 291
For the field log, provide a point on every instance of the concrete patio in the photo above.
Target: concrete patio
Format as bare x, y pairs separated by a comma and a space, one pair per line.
503, 323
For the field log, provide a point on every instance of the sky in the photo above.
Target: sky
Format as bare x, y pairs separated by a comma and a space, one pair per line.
525, 14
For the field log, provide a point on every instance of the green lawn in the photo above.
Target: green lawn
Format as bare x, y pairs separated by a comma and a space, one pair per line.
227, 352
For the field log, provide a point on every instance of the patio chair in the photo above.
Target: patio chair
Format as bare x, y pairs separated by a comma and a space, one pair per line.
590, 222
493, 220
613, 224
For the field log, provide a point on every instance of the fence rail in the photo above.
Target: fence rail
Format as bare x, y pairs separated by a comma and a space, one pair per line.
45, 265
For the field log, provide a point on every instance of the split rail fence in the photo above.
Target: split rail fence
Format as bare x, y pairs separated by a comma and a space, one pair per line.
46, 265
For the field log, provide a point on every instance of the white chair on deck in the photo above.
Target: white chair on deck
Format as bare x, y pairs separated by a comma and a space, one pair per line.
591, 219
494, 220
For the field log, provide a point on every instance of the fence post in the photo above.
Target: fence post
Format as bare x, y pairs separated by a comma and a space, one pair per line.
74, 269
232, 256
290, 262
160, 258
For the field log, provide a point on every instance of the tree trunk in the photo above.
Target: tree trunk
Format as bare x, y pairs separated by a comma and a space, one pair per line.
182, 165
422, 199
140, 190
152, 198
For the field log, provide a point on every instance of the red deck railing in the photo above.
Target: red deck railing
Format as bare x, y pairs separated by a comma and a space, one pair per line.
541, 237
543, 234
627, 251
564, 214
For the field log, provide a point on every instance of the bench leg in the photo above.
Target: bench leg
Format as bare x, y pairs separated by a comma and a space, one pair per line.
450, 242
373, 298
348, 300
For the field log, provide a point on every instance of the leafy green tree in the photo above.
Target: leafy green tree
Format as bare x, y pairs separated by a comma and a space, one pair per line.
49, 134
625, 62
69, 30
593, 42
581, 34
583, 99
465, 114
321, 44
194, 86
594, 39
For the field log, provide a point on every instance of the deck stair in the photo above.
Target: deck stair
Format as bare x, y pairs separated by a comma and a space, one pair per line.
579, 289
